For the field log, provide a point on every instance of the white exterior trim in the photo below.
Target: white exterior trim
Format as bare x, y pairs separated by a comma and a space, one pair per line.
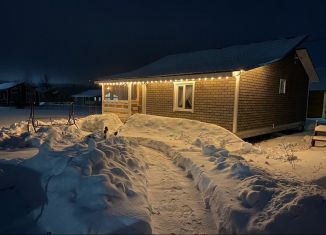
129, 98
175, 98
236, 101
103, 101
143, 105
307, 64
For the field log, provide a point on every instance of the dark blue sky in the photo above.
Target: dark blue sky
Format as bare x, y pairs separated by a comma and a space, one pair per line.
76, 40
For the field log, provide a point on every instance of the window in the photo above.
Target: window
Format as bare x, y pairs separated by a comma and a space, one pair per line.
94, 98
282, 88
120, 93
184, 96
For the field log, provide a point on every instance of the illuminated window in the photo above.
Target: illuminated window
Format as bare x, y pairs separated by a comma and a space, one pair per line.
120, 92
94, 98
282, 88
184, 96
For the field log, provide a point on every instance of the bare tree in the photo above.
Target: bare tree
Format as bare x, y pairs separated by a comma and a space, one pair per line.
45, 81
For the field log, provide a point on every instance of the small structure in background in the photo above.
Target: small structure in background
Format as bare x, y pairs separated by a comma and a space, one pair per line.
89, 97
317, 96
17, 94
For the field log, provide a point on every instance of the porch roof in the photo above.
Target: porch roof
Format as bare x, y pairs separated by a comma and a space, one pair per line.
228, 59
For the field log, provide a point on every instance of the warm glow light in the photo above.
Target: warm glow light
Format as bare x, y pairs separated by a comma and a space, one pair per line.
165, 81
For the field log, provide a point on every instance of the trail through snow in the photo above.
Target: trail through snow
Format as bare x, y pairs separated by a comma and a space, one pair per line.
177, 206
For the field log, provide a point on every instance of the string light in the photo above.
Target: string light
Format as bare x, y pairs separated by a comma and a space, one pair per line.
161, 81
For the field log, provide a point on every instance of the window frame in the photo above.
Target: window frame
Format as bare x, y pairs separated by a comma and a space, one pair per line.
175, 96
282, 91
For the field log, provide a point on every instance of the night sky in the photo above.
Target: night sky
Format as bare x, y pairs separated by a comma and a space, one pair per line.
75, 41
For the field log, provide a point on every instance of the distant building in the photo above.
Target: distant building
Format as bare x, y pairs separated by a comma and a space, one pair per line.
317, 96
89, 97
17, 94
251, 89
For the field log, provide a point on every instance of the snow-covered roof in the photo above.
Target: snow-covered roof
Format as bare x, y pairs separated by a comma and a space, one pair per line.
233, 58
89, 93
7, 85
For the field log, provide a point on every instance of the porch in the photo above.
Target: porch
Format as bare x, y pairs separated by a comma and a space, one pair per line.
124, 98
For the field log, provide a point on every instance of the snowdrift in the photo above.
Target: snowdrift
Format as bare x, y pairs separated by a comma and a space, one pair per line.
17, 135
242, 198
84, 185
96, 123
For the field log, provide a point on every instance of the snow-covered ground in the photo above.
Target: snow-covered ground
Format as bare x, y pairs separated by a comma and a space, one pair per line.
292, 156
10, 115
160, 175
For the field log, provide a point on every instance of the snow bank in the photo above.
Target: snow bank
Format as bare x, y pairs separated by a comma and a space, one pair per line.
100, 190
96, 123
17, 135
88, 186
242, 198
185, 130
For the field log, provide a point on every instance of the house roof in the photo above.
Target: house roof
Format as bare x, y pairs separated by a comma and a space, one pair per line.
7, 85
233, 58
89, 93
320, 86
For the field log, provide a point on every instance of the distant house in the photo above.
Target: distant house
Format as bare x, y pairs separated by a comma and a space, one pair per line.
89, 97
17, 94
249, 89
317, 96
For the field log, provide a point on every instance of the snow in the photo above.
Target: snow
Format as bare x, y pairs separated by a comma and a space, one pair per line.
161, 175
243, 197
89, 93
231, 58
7, 85
10, 115
291, 156
90, 186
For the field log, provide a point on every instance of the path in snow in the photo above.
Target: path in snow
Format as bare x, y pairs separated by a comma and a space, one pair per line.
176, 203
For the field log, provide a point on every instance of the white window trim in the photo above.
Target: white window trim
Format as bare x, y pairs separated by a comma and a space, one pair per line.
280, 87
175, 96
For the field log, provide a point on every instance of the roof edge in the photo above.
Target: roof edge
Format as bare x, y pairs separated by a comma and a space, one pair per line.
308, 65
165, 77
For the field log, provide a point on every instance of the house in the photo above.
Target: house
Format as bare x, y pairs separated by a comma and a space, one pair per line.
17, 94
317, 96
250, 90
89, 97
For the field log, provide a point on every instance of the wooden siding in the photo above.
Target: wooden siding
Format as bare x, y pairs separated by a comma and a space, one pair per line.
213, 101
261, 105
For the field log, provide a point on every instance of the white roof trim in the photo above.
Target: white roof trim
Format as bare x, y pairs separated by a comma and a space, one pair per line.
307, 64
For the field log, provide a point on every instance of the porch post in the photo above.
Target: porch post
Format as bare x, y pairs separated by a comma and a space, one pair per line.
129, 98
103, 95
144, 98
236, 102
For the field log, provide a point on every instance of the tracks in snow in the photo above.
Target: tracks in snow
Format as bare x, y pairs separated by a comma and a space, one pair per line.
177, 206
